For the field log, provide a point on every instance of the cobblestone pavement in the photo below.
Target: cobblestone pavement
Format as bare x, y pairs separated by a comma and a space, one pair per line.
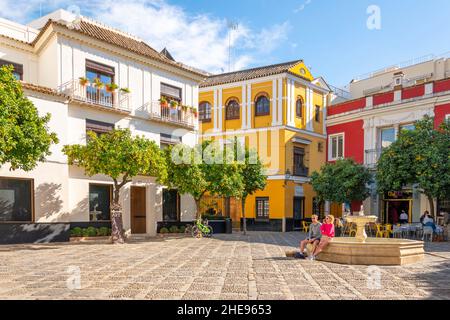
226, 267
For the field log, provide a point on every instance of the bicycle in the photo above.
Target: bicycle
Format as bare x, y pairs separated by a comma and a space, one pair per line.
200, 229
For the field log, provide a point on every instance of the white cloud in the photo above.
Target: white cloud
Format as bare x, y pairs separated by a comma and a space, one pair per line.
198, 40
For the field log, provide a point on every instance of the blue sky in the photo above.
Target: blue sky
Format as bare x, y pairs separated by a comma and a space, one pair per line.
330, 35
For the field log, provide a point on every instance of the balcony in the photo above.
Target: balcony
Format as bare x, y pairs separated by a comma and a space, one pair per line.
89, 94
371, 158
177, 116
300, 171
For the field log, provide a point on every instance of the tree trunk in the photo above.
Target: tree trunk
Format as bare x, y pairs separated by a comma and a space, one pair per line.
118, 236
197, 205
431, 201
244, 219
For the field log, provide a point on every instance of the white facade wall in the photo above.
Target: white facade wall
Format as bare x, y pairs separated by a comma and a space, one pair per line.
61, 192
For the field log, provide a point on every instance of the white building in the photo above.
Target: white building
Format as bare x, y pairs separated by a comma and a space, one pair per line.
50, 55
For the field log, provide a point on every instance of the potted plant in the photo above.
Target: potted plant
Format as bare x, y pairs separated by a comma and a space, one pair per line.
98, 83
173, 104
163, 102
184, 108
194, 111
83, 81
111, 87
125, 90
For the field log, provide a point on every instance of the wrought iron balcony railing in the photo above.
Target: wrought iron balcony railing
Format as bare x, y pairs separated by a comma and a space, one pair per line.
180, 116
92, 95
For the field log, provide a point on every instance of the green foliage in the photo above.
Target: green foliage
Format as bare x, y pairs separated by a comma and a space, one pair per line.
343, 181
173, 229
197, 173
103, 232
24, 136
252, 171
117, 154
91, 232
419, 157
76, 232
164, 231
182, 229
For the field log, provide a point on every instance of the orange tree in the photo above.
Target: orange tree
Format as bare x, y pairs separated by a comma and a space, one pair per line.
419, 157
121, 157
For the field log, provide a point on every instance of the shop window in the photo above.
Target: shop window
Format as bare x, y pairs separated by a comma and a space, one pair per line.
171, 205
16, 200
100, 202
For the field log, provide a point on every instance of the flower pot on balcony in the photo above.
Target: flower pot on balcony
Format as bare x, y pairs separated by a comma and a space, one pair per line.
84, 81
173, 104
111, 87
163, 102
125, 91
98, 84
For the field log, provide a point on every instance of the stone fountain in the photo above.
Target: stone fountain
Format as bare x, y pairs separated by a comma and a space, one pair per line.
362, 250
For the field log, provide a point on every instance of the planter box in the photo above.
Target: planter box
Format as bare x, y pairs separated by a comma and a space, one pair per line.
96, 240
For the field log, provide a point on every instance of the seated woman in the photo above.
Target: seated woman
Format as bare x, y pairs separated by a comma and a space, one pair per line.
338, 226
428, 221
327, 230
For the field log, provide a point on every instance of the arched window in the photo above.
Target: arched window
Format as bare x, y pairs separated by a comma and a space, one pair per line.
262, 105
204, 112
299, 108
232, 109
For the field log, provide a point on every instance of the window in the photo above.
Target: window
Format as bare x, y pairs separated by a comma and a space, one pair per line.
99, 127
300, 169
447, 117
204, 112
16, 200
320, 147
18, 68
100, 202
167, 140
105, 74
299, 108
262, 106
317, 115
387, 137
336, 147
232, 110
171, 92
408, 127
171, 205
262, 208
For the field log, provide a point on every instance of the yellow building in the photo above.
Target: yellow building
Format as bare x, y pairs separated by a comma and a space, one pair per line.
278, 110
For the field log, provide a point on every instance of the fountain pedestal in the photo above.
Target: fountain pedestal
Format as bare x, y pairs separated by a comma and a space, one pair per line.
361, 222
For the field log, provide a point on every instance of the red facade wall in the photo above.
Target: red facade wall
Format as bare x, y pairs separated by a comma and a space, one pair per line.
413, 92
383, 98
353, 139
441, 86
439, 114
346, 107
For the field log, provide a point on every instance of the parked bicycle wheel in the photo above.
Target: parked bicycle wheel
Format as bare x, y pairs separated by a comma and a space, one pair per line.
196, 233
188, 230
210, 232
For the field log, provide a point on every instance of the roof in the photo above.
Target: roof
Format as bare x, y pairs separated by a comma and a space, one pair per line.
119, 39
249, 74
167, 54
41, 89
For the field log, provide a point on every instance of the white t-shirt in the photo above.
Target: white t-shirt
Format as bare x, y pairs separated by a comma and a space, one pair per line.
427, 220
403, 216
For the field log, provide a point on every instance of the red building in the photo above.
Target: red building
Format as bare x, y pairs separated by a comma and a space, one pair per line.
382, 104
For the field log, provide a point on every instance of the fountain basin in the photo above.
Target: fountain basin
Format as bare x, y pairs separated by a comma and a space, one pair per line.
374, 251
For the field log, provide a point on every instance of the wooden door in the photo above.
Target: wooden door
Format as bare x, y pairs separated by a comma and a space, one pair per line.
138, 210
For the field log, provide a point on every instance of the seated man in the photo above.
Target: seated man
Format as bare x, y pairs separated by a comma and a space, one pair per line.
313, 238
404, 218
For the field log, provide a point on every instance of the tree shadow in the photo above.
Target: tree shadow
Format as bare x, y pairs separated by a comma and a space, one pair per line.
49, 202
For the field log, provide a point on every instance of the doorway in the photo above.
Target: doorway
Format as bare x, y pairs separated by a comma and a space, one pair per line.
394, 208
299, 212
138, 210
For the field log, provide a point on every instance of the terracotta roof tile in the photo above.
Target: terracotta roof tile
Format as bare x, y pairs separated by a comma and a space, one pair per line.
41, 89
126, 42
249, 74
